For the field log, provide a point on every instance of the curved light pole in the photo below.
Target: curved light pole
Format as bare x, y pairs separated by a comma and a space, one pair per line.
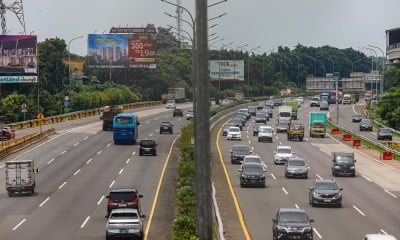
69, 61
383, 67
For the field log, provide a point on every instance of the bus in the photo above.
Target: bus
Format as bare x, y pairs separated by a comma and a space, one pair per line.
125, 128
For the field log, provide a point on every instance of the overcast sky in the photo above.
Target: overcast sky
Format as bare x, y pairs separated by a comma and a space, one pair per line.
265, 23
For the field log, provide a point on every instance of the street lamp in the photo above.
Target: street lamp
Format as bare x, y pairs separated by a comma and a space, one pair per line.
383, 66
69, 61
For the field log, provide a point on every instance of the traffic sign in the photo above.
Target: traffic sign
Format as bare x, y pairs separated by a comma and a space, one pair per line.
23, 106
40, 116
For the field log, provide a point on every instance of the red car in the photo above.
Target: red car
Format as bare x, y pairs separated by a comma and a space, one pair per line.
7, 133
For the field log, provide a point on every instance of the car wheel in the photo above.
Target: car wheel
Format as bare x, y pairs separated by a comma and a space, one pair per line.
339, 205
301, 138
313, 204
155, 153
306, 176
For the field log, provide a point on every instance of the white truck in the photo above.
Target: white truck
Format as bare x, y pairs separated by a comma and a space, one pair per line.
285, 113
346, 99
20, 177
177, 94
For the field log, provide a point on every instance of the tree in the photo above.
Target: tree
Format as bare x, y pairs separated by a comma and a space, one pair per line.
392, 78
388, 108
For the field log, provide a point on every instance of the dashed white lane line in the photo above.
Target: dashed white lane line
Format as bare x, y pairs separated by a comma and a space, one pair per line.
62, 185
127, 160
151, 134
384, 232
76, 144
77, 171
44, 202
111, 184
109, 144
120, 171
273, 176
100, 200
88, 161
359, 211
297, 206
369, 180
99, 152
85, 138
390, 193
319, 177
51, 160
316, 232
284, 190
19, 224
63, 152
84, 222
133, 153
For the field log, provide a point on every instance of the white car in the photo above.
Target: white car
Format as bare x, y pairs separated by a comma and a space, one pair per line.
189, 114
265, 133
254, 159
234, 134
282, 154
170, 104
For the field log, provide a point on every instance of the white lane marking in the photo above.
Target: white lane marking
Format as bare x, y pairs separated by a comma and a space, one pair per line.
151, 134
316, 232
297, 206
51, 160
84, 222
47, 199
359, 211
133, 153
2, 166
100, 200
157, 118
127, 161
319, 177
384, 232
77, 171
284, 190
19, 224
88, 161
109, 144
63, 152
111, 184
76, 144
99, 152
369, 180
273, 176
120, 171
62, 185
252, 148
390, 193
322, 150
85, 138
249, 140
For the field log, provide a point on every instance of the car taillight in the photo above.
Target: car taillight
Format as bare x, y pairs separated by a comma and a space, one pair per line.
133, 202
111, 202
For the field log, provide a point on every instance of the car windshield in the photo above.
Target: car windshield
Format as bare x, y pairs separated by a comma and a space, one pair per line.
165, 124
231, 129
385, 130
227, 126
293, 217
326, 186
258, 125
124, 120
284, 114
240, 149
314, 99
365, 121
296, 163
344, 159
252, 159
284, 150
265, 130
122, 196
146, 143
283, 124
318, 124
297, 127
252, 168
124, 215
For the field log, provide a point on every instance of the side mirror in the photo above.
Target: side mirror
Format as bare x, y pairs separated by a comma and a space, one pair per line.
241, 161
240, 170
341, 189
140, 195
274, 220
311, 188
355, 160
142, 216
311, 220
107, 196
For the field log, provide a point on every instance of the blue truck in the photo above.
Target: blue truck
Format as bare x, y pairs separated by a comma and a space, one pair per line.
318, 124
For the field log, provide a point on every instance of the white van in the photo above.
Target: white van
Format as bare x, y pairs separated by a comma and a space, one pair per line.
265, 133
379, 237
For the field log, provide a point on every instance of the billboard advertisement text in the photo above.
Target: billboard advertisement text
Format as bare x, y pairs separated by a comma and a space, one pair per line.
226, 70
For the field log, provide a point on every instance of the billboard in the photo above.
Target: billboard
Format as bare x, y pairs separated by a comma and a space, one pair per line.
137, 50
18, 59
226, 70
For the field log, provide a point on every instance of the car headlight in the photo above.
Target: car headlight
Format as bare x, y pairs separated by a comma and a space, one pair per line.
337, 167
315, 194
352, 167
282, 229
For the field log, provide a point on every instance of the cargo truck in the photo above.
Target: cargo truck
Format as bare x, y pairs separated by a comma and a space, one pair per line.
317, 124
177, 94
295, 106
20, 177
108, 116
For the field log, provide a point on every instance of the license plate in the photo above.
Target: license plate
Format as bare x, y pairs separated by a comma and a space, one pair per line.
165, 127
123, 231
122, 205
327, 200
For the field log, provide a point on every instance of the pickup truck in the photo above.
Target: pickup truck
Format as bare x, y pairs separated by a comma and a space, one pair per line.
295, 131
126, 223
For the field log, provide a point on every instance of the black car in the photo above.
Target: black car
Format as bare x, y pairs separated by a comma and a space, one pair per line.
148, 147
252, 110
365, 125
252, 174
292, 223
384, 134
177, 112
325, 192
238, 152
260, 105
256, 128
356, 118
237, 123
166, 127
262, 117
123, 198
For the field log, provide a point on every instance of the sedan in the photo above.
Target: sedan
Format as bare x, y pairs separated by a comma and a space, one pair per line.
234, 134
365, 125
256, 128
356, 118
239, 152
282, 127
296, 167
226, 128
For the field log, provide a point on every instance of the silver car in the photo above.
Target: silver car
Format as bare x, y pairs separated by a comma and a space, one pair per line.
296, 167
124, 222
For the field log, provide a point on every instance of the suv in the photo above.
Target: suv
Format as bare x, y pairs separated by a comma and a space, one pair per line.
296, 167
166, 127
265, 133
344, 164
148, 146
384, 134
177, 112
314, 101
123, 198
252, 110
252, 174
365, 125
295, 130
282, 154
170, 104
124, 222
325, 192
7, 133
262, 117
238, 152
292, 223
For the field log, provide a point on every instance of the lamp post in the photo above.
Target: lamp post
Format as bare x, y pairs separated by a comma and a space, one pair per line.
376, 57
383, 67
69, 61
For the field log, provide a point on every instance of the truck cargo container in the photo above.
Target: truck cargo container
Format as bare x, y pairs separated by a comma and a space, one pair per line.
20, 177
317, 124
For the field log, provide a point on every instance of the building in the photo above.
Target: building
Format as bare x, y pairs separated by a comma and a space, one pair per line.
393, 46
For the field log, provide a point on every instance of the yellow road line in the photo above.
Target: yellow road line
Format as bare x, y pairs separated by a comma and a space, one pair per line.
238, 210
158, 188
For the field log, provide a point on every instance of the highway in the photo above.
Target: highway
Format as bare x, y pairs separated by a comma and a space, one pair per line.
77, 168
367, 206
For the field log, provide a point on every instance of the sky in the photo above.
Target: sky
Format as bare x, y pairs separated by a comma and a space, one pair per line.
266, 24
